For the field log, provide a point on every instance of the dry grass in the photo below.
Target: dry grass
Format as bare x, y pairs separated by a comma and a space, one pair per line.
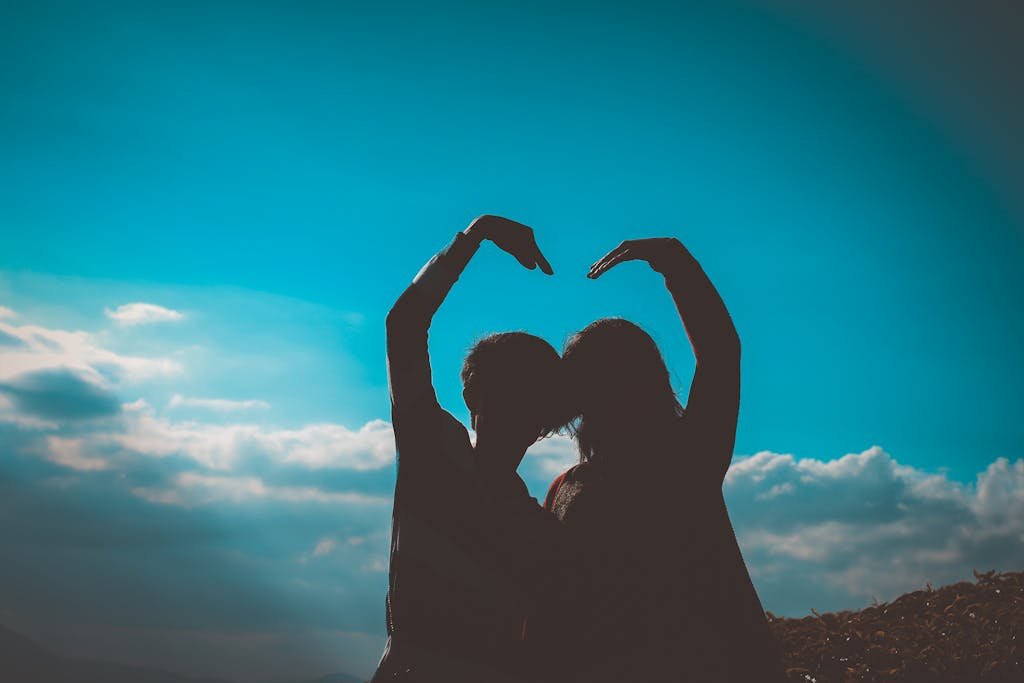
959, 633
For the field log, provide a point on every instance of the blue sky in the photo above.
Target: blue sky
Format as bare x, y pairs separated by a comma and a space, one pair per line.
268, 177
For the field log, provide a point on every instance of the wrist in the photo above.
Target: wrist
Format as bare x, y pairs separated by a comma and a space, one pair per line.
475, 232
671, 256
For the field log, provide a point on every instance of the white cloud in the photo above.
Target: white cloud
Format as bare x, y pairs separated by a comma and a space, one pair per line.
214, 446
42, 348
376, 565
319, 446
221, 405
836, 533
49, 376
347, 550
325, 546
224, 446
68, 453
829, 534
7, 313
142, 314
552, 456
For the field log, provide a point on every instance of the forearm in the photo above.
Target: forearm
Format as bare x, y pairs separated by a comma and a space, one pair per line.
409, 319
712, 407
437, 277
703, 313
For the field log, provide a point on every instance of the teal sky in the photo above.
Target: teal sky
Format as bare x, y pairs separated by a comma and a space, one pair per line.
277, 172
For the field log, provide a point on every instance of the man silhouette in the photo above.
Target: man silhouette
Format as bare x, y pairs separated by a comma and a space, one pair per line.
467, 540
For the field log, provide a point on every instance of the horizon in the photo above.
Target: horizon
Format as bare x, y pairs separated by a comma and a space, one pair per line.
209, 209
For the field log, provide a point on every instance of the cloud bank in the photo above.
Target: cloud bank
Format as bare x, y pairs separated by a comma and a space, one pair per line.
171, 523
28, 348
835, 534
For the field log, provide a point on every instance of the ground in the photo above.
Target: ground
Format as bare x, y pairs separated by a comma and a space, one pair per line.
958, 633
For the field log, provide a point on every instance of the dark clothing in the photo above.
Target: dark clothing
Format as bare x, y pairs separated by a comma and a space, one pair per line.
666, 595
670, 598
467, 544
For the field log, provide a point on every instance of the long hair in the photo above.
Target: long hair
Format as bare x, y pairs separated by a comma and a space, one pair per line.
621, 389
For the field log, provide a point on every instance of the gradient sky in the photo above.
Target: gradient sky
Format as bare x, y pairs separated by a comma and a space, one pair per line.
271, 175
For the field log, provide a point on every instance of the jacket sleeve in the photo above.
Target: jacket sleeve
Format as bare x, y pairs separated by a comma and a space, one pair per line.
408, 322
712, 408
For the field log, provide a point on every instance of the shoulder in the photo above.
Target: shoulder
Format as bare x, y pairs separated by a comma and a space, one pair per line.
432, 436
450, 424
576, 473
427, 413
454, 439
583, 497
549, 500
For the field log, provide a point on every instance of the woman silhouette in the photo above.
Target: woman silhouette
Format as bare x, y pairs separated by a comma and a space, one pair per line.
667, 595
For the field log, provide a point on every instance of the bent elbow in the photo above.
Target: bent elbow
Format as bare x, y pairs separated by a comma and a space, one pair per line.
729, 339
733, 342
401, 315
393, 319
724, 348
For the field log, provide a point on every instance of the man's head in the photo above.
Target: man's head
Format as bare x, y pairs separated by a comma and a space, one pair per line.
513, 385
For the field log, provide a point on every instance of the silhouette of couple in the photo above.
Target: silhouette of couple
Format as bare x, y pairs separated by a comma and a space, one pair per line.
630, 571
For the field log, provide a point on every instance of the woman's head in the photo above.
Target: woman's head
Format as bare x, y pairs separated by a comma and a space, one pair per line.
514, 388
620, 386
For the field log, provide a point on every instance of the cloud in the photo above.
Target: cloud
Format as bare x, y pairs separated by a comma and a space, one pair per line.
190, 489
8, 339
69, 379
545, 460
224, 446
232, 522
81, 553
377, 565
833, 534
320, 446
222, 405
119, 516
68, 453
30, 348
59, 394
325, 546
553, 455
142, 314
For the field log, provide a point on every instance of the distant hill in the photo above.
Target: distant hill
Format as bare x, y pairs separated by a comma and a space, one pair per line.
24, 661
962, 633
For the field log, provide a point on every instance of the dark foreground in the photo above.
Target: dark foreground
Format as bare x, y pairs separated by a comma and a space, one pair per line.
960, 633
963, 632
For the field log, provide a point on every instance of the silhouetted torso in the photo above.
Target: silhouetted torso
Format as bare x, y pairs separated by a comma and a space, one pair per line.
467, 542
666, 596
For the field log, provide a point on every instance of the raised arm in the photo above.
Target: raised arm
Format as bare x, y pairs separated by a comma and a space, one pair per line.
713, 405
409, 319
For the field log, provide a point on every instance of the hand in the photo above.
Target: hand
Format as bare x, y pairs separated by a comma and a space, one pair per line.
658, 252
512, 237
